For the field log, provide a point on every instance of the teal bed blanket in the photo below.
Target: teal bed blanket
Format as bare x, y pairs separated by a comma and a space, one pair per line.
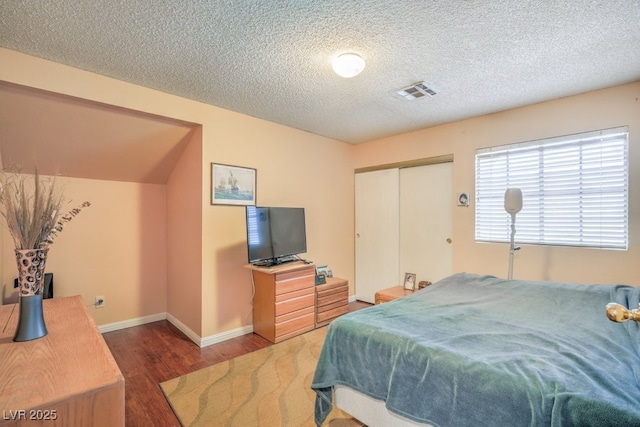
481, 351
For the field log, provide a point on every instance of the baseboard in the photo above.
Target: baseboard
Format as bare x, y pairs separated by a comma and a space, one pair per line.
214, 339
184, 329
234, 333
200, 342
210, 340
115, 326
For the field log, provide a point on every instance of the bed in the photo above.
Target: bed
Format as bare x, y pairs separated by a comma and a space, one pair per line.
476, 350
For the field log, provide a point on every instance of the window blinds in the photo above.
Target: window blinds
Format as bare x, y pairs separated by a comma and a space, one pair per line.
575, 190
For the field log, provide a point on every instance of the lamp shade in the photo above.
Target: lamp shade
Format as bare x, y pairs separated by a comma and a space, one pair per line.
348, 65
513, 200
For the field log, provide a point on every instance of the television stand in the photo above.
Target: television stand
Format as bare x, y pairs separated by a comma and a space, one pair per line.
284, 300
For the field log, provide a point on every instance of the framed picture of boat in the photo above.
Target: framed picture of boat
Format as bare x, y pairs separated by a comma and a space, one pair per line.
232, 185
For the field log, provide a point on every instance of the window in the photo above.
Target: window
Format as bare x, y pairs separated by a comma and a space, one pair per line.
574, 190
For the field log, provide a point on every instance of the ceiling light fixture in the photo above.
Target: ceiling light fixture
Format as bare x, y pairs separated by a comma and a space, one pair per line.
348, 65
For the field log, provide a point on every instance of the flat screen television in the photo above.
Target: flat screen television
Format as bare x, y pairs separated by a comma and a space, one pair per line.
275, 234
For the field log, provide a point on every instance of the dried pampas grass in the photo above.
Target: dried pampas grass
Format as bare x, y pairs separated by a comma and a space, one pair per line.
33, 210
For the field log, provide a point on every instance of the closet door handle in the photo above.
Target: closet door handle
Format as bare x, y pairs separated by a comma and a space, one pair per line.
449, 240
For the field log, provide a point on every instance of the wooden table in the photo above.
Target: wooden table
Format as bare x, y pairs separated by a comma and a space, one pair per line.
389, 294
67, 378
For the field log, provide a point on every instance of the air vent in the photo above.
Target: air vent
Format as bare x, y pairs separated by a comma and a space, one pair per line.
417, 90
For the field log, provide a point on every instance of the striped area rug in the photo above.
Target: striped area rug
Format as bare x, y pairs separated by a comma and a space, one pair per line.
268, 387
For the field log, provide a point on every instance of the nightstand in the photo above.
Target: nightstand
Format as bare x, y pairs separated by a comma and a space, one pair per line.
389, 294
332, 300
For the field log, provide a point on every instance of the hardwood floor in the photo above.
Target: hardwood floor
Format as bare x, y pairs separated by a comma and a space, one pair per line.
150, 354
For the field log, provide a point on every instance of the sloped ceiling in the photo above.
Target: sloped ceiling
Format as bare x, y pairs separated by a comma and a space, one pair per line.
272, 59
69, 137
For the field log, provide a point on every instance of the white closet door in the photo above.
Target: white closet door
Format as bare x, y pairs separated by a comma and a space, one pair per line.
426, 222
377, 232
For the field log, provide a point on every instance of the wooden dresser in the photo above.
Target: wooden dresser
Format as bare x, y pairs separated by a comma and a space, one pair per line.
284, 300
332, 300
67, 378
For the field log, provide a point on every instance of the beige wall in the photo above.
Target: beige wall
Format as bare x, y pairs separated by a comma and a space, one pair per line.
184, 230
294, 167
115, 248
611, 107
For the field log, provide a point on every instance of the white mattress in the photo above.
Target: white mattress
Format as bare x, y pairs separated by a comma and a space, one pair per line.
369, 411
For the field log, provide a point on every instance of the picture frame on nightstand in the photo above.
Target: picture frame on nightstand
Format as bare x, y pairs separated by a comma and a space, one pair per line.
324, 270
410, 281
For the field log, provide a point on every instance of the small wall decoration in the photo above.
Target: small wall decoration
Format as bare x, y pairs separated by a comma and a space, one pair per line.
410, 281
232, 185
463, 199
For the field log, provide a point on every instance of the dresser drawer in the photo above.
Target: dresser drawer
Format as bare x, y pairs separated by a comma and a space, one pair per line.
294, 294
294, 314
344, 287
332, 283
288, 275
328, 307
293, 304
304, 322
342, 296
297, 332
331, 314
284, 286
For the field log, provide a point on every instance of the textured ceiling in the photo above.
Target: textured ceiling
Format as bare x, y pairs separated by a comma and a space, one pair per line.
271, 59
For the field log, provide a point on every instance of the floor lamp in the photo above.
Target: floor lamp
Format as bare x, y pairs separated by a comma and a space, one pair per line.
513, 205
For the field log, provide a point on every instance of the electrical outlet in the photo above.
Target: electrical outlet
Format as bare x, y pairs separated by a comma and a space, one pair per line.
100, 302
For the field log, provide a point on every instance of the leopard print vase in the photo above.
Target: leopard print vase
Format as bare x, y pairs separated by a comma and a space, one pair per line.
31, 263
